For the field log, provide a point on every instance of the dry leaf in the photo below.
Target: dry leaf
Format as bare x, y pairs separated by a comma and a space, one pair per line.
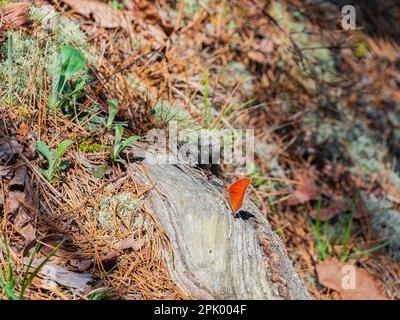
80, 264
18, 180
351, 282
62, 276
23, 131
101, 12
6, 151
52, 240
306, 189
21, 219
129, 243
8, 148
257, 56
6, 173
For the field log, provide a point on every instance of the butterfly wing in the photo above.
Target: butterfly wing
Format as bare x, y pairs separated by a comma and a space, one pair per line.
237, 190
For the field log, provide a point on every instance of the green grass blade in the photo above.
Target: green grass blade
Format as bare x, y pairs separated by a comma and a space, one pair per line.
206, 100
346, 238
7, 282
25, 272
238, 109
369, 250
10, 274
10, 67
27, 281
326, 240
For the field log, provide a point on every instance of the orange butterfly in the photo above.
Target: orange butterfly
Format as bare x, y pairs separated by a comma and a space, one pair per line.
237, 191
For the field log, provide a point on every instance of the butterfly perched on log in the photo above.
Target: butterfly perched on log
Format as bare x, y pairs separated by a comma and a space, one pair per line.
236, 192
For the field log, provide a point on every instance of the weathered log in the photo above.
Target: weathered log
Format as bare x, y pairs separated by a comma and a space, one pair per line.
215, 256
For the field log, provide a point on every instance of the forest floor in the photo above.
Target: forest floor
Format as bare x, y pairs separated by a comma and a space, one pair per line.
81, 79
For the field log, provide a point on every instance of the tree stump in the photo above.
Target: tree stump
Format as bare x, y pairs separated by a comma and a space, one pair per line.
215, 256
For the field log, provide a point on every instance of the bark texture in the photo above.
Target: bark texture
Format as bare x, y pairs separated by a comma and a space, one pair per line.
215, 256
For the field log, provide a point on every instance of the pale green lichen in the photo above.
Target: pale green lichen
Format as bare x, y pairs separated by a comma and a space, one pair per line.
320, 63
385, 222
366, 153
128, 208
192, 7
37, 53
234, 72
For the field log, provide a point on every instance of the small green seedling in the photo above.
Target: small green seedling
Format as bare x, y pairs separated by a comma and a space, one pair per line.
119, 144
112, 112
71, 61
53, 158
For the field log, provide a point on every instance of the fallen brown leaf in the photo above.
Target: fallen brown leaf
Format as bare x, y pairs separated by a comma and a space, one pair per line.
55, 273
6, 173
257, 56
101, 12
18, 180
306, 189
351, 282
8, 148
129, 243
19, 216
23, 131
80, 264
52, 240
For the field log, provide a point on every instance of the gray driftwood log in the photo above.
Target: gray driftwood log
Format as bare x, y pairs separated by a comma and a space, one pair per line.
215, 256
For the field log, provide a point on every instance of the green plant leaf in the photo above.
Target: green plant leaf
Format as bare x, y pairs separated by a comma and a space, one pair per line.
72, 61
119, 131
101, 171
127, 142
43, 149
112, 112
78, 87
61, 149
